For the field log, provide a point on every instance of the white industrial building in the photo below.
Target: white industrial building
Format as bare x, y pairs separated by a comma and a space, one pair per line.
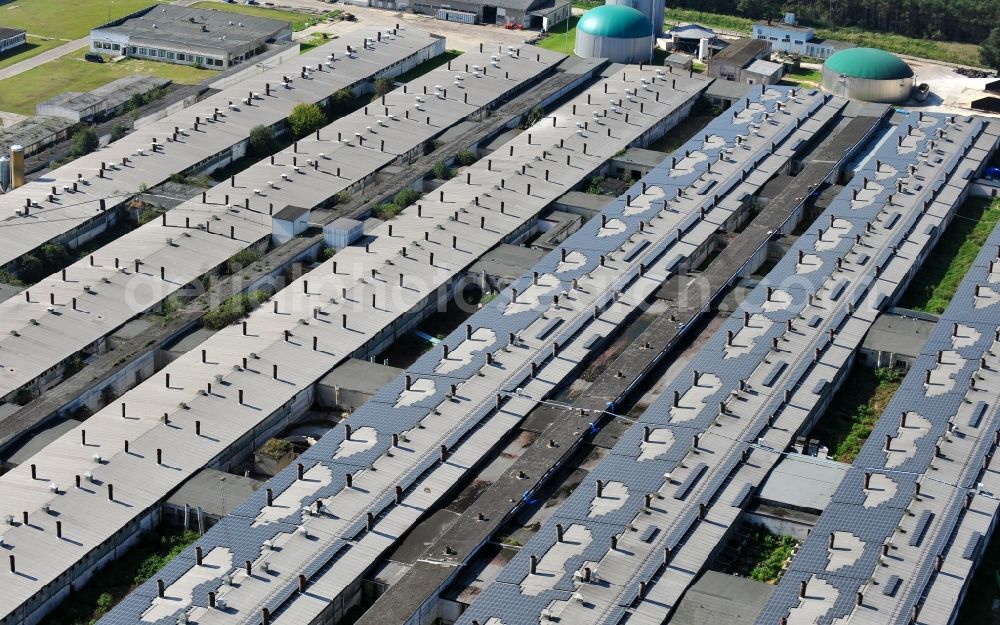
288, 223
11, 38
190, 36
788, 36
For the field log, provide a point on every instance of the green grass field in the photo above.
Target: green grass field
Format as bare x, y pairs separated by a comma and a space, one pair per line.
21, 93
65, 19
561, 40
34, 47
298, 20
948, 51
935, 284
315, 41
803, 76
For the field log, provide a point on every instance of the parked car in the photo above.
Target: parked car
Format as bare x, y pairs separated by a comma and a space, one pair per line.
93, 57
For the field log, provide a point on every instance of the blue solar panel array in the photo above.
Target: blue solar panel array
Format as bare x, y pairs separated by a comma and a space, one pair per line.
875, 525
648, 476
380, 413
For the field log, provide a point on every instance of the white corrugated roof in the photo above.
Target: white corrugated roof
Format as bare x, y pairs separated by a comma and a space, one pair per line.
195, 237
313, 306
49, 221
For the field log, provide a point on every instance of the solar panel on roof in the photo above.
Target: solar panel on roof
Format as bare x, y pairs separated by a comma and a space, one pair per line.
921, 528
383, 415
690, 480
891, 585
877, 521
971, 550
852, 513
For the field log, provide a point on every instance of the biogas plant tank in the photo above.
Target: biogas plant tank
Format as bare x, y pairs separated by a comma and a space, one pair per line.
616, 32
650, 8
869, 75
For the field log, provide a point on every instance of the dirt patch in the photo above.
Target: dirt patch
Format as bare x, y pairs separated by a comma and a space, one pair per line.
468, 495
525, 439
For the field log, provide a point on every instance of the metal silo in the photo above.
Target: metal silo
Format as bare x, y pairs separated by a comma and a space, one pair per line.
4, 173
16, 166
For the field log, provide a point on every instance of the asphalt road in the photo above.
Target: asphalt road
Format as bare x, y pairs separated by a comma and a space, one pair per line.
44, 57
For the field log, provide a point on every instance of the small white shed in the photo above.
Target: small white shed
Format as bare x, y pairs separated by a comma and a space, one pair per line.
288, 223
341, 232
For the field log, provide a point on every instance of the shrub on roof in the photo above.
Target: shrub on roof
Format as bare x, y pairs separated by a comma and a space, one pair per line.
275, 448
233, 309
306, 119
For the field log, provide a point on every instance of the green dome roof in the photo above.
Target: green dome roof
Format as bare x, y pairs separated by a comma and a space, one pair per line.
869, 63
616, 21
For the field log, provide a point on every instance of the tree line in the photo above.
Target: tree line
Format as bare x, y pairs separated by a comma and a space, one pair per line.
967, 21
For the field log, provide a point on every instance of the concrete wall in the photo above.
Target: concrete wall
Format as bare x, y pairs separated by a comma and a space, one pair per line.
471, 12
93, 228
338, 397
560, 15
207, 54
985, 188
880, 358
336, 610
782, 39
779, 525
725, 69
